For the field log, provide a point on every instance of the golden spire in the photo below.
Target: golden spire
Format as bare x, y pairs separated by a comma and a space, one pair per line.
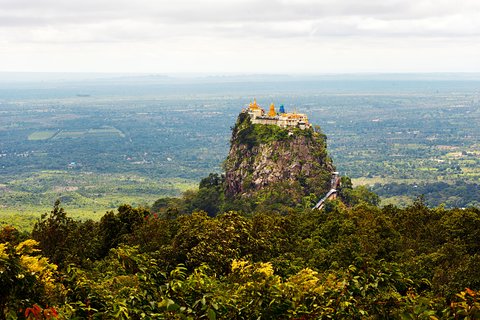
272, 112
253, 105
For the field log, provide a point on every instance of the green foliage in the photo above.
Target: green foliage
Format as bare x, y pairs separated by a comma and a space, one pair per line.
52, 232
217, 242
210, 196
26, 279
64, 240
154, 235
113, 228
11, 234
355, 262
357, 195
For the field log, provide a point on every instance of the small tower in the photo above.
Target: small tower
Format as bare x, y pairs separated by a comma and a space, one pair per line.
272, 112
282, 109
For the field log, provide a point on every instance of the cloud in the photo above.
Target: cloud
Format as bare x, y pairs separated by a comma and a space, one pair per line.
225, 31
51, 12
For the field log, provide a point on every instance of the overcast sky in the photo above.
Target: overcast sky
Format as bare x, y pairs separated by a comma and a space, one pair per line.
224, 36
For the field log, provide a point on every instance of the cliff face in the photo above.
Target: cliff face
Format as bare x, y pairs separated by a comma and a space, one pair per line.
263, 156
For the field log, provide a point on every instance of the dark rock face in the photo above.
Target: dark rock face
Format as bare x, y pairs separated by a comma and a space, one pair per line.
268, 155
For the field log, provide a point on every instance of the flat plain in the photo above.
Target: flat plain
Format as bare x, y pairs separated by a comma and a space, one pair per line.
134, 143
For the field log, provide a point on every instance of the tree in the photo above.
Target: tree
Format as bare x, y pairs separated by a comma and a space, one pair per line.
114, 228
352, 197
52, 232
209, 197
10, 234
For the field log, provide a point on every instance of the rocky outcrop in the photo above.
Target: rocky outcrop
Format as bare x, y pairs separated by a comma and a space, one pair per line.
262, 156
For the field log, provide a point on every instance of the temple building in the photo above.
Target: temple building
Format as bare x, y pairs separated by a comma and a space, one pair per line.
281, 118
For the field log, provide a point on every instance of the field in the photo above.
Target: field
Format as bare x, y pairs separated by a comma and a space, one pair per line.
138, 142
83, 195
104, 132
41, 135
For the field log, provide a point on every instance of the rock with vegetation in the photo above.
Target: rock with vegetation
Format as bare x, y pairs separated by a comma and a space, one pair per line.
268, 157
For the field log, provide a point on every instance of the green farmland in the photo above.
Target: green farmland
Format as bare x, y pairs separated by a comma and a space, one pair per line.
84, 195
41, 135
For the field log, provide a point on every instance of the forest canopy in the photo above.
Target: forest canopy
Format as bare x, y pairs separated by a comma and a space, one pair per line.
358, 261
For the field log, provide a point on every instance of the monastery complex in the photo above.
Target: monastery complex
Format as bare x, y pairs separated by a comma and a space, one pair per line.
280, 118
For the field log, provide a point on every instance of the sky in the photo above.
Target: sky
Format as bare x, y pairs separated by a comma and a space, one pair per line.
240, 36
